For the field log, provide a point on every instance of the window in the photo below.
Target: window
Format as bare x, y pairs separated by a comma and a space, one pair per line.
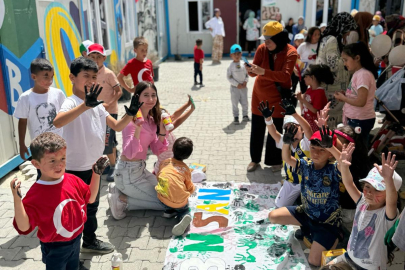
199, 12
128, 15
99, 23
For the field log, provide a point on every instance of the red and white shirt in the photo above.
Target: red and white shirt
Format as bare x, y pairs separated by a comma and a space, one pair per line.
317, 98
140, 71
58, 208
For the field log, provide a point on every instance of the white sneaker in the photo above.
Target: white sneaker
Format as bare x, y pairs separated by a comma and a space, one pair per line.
111, 188
181, 227
117, 207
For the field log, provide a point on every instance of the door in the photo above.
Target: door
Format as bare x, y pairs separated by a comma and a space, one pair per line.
389, 7
230, 17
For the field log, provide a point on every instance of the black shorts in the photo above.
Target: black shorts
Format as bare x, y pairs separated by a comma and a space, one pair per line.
110, 139
324, 234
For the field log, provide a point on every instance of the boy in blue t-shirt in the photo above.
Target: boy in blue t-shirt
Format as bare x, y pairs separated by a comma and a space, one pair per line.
320, 212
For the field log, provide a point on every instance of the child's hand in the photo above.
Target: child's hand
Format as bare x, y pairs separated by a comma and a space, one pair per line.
300, 96
327, 137
323, 116
264, 109
15, 188
388, 166
289, 134
91, 97
100, 165
244, 84
339, 95
134, 106
346, 155
287, 106
24, 151
240, 86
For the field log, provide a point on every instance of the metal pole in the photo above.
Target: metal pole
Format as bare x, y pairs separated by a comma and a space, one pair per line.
339, 6
313, 13
325, 11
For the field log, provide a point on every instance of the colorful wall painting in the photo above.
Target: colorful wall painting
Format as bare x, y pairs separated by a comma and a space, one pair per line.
230, 231
147, 22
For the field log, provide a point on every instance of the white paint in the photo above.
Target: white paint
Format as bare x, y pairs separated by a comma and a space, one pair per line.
198, 264
57, 220
14, 77
2, 12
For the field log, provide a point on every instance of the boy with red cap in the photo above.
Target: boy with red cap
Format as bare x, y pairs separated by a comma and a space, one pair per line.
320, 212
110, 95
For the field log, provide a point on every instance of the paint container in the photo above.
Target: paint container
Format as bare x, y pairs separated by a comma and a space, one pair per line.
116, 262
139, 118
167, 121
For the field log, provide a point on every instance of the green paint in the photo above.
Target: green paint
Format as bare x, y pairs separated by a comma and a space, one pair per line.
252, 206
244, 242
227, 207
240, 257
173, 250
279, 259
263, 197
245, 230
181, 256
207, 202
207, 245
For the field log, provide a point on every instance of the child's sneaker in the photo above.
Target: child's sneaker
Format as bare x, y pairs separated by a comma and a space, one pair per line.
201, 84
236, 121
117, 207
246, 118
181, 227
170, 213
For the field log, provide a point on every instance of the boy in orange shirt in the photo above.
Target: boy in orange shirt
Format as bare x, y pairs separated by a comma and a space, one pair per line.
175, 185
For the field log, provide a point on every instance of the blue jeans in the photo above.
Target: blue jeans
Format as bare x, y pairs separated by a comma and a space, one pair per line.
61, 255
365, 125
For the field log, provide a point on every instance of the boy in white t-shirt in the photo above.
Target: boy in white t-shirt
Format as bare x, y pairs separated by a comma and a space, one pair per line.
84, 119
38, 106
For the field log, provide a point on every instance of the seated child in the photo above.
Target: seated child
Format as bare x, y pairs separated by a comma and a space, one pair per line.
337, 266
376, 212
54, 193
320, 213
175, 185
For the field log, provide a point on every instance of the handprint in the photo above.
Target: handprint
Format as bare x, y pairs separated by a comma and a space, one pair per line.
327, 137
134, 106
289, 134
91, 97
100, 165
264, 109
287, 106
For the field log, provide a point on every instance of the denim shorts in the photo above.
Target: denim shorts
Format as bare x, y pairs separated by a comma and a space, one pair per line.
110, 138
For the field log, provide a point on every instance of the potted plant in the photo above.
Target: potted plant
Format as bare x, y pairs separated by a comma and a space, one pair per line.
154, 57
116, 68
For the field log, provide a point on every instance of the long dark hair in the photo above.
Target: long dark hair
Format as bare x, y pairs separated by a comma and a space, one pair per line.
311, 32
322, 73
366, 59
155, 112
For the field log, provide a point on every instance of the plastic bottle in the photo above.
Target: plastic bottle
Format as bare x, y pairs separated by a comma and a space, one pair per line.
139, 118
167, 121
116, 262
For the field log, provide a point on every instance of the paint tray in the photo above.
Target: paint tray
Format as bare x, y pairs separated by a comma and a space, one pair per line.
196, 166
329, 255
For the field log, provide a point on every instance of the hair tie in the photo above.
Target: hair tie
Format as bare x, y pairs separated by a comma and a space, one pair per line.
344, 135
357, 130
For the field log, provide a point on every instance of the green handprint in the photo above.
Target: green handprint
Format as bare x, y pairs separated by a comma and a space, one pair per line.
244, 242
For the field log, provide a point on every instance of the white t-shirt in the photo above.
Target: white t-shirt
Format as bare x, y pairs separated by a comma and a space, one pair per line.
85, 136
307, 52
40, 110
366, 244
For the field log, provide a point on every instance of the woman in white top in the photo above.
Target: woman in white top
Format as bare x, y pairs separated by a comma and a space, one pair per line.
251, 26
216, 26
279, 18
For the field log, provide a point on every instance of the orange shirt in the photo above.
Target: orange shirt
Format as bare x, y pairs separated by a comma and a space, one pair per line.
264, 87
174, 183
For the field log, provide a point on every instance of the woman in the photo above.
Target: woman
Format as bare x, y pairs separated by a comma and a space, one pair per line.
298, 27
273, 63
363, 20
134, 186
289, 25
341, 30
216, 26
279, 18
251, 26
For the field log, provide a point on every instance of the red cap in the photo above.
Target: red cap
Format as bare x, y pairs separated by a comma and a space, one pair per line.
96, 48
317, 136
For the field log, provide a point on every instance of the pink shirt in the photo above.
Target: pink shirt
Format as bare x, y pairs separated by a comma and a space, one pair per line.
361, 78
133, 148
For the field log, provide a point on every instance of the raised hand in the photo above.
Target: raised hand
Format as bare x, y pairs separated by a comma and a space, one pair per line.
327, 137
91, 97
289, 134
15, 187
346, 155
134, 106
287, 106
323, 116
264, 109
100, 165
388, 166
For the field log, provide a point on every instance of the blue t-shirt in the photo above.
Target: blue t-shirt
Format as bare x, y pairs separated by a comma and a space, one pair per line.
320, 191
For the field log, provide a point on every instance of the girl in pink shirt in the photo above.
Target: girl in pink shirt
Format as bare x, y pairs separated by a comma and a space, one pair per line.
134, 186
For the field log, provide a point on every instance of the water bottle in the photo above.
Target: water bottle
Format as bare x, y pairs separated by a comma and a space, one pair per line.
167, 121
139, 118
116, 262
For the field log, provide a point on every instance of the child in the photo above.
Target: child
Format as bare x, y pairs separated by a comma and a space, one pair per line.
358, 110
337, 266
299, 147
238, 77
110, 95
320, 213
140, 68
84, 47
54, 193
38, 106
314, 98
376, 29
175, 186
178, 118
376, 212
298, 40
198, 61
85, 119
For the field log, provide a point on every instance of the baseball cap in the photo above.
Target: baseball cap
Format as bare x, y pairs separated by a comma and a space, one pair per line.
236, 48
271, 29
377, 181
85, 44
299, 36
289, 119
96, 48
317, 137
323, 25
376, 18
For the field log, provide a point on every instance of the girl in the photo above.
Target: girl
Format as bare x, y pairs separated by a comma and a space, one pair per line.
376, 211
314, 98
135, 186
358, 110
251, 26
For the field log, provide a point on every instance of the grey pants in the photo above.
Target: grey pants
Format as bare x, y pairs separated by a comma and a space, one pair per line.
239, 96
138, 184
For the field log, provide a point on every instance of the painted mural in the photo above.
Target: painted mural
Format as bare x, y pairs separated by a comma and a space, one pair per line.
230, 231
147, 22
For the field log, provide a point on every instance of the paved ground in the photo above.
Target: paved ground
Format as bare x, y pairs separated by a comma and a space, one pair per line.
143, 236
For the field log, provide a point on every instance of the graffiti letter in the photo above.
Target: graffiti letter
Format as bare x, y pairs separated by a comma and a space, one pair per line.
199, 222
198, 264
14, 76
209, 240
213, 208
218, 194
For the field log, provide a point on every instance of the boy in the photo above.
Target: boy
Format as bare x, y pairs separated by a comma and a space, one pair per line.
140, 68
55, 203
38, 106
238, 77
320, 212
376, 29
84, 119
175, 185
84, 47
198, 61
298, 40
110, 95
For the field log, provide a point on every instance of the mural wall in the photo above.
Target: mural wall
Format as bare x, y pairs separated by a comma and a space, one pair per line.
147, 22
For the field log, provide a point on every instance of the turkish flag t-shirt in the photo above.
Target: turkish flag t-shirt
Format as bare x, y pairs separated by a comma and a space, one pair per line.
58, 208
140, 71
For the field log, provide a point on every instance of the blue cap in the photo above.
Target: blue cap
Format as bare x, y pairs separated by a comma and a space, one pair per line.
236, 48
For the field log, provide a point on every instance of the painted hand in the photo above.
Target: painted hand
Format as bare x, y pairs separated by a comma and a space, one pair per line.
264, 109
346, 155
91, 97
134, 106
100, 165
287, 106
388, 166
15, 187
289, 134
327, 137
